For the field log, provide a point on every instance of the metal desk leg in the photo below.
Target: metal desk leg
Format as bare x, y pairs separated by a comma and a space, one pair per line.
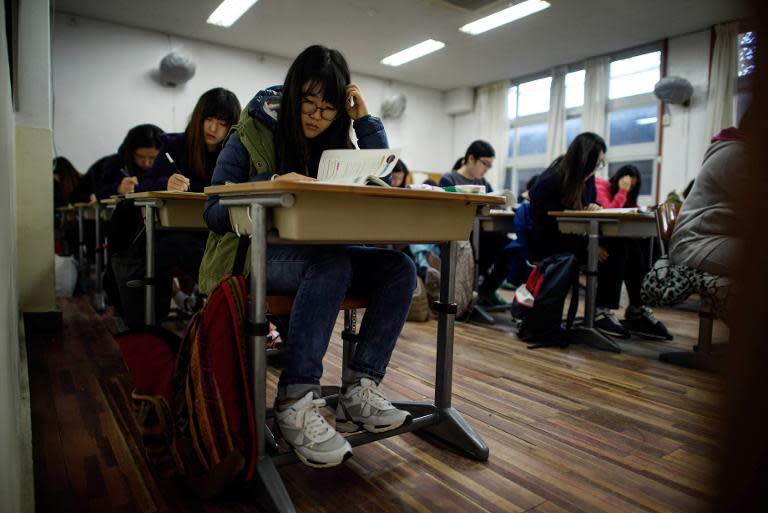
98, 296
451, 427
266, 476
587, 334
149, 277
82, 254
478, 313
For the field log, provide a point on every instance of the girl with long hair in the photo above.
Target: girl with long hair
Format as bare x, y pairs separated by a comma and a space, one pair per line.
286, 130
194, 151
569, 184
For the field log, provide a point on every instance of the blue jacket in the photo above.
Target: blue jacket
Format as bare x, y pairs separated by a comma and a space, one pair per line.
234, 161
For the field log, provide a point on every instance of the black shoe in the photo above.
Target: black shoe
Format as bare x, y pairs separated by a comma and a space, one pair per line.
492, 299
606, 323
641, 321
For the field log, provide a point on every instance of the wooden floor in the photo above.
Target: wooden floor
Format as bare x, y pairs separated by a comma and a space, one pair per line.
573, 430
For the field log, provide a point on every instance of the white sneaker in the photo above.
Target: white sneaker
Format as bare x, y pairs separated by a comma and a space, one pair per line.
363, 405
314, 441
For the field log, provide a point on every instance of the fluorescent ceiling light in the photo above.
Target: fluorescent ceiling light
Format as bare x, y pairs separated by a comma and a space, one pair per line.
509, 14
646, 121
414, 52
229, 11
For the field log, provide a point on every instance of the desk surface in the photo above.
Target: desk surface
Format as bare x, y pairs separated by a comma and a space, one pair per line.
597, 214
169, 195
324, 212
84, 205
355, 190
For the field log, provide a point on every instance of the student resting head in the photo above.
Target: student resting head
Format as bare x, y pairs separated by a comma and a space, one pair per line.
313, 115
627, 178
477, 160
585, 156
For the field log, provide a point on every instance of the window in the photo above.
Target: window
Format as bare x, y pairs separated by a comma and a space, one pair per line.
533, 97
633, 76
646, 167
631, 130
747, 49
527, 136
533, 139
634, 125
574, 89
572, 129
512, 102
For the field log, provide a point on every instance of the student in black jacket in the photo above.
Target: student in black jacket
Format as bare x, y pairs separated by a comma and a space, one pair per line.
120, 172
569, 184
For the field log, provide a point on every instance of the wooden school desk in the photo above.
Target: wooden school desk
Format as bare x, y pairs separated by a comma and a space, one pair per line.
170, 210
597, 224
498, 221
311, 212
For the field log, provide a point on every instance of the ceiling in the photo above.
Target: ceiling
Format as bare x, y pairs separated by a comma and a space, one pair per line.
368, 30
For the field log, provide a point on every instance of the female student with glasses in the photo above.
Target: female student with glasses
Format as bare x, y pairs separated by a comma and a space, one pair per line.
492, 267
287, 128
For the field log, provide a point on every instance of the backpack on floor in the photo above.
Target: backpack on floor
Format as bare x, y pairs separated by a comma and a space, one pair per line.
192, 399
538, 303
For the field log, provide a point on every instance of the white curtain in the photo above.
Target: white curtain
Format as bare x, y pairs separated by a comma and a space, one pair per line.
595, 94
722, 78
556, 116
491, 106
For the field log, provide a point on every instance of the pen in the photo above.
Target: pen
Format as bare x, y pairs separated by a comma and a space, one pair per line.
168, 156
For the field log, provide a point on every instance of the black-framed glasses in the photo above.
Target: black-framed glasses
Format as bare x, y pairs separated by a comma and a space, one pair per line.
487, 164
309, 108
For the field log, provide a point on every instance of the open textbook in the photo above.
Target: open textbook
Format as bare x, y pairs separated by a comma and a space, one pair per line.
362, 167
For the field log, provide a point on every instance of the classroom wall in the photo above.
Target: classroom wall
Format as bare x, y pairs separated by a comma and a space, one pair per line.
16, 478
103, 85
685, 138
34, 151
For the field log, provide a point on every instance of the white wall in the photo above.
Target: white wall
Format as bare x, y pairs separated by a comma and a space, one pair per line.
685, 138
103, 86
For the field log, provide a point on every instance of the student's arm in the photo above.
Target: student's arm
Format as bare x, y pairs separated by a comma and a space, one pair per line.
156, 179
370, 133
604, 195
232, 166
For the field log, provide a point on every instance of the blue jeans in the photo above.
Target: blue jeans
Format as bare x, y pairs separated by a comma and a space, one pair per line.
320, 277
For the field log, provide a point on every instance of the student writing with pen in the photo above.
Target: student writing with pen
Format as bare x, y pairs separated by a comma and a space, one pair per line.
120, 172
187, 159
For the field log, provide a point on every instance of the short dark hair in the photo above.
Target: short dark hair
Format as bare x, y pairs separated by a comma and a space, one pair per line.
316, 69
477, 149
140, 136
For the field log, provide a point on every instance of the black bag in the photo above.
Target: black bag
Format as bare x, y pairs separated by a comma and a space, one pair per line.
538, 304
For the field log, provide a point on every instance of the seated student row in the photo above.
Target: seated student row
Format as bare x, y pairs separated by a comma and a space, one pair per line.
136, 167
